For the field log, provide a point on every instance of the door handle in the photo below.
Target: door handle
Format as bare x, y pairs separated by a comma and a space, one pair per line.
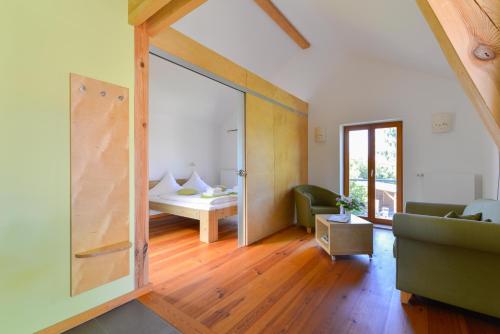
372, 173
242, 173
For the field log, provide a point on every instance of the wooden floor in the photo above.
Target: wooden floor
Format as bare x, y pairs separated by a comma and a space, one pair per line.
285, 284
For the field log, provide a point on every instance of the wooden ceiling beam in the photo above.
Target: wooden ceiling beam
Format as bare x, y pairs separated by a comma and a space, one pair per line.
469, 36
171, 13
141, 10
181, 46
277, 16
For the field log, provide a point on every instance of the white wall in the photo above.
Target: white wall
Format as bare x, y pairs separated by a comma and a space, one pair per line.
370, 90
188, 114
228, 150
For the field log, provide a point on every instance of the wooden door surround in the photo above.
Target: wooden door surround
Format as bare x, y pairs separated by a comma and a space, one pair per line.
371, 165
203, 59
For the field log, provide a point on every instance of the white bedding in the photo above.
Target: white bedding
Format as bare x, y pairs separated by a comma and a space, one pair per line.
196, 201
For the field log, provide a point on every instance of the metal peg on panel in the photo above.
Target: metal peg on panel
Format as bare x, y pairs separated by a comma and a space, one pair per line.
83, 88
103, 93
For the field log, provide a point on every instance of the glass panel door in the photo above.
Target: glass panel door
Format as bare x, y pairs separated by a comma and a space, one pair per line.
358, 168
373, 169
385, 172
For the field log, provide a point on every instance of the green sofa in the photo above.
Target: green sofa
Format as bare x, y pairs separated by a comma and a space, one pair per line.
454, 261
312, 200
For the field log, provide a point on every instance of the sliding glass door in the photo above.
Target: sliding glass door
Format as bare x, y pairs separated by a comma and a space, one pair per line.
373, 169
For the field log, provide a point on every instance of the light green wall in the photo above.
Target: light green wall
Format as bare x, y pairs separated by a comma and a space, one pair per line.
42, 41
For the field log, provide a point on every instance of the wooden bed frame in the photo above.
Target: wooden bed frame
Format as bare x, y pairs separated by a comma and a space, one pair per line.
209, 219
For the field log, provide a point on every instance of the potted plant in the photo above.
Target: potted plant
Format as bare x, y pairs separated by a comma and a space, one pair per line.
348, 205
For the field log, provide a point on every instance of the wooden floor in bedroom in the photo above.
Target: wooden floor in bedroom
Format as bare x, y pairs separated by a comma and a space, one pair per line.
285, 284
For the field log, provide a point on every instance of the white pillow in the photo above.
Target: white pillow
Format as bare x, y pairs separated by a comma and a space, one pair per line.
167, 185
195, 182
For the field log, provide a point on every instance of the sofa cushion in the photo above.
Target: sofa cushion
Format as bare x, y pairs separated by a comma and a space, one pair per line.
489, 208
453, 214
318, 210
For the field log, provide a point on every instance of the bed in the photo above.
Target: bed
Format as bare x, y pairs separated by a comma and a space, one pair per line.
207, 210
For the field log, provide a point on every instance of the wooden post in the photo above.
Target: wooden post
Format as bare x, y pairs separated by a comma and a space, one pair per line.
141, 39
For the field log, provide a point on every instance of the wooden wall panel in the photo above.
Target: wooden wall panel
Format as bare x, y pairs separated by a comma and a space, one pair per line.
99, 183
304, 149
276, 163
260, 168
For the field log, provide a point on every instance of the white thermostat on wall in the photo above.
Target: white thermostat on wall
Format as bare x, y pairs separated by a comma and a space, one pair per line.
442, 122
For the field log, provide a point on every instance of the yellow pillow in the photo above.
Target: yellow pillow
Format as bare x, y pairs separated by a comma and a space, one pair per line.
187, 192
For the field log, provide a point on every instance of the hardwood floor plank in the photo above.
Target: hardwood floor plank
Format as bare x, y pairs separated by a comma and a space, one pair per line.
405, 319
259, 289
297, 306
286, 284
218, 287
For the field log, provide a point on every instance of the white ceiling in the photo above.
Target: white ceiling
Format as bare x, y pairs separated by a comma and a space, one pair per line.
339, 30
177, 92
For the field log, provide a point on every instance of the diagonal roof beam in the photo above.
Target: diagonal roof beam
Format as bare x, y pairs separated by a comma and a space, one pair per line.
468, 32
277, 16
171, 13
141, 10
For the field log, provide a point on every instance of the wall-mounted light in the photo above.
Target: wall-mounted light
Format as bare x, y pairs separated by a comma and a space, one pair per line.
320, 134
442, 122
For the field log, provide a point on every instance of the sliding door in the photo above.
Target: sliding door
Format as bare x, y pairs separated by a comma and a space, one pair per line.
259, 131
373, 169
276, 162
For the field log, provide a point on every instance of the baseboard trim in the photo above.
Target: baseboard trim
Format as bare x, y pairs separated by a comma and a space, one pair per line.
95, 312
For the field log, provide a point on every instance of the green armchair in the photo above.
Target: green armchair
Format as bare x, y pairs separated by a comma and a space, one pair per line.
312, 200
454, 261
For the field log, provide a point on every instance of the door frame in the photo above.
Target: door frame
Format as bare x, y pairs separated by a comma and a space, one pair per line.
194, 56
371, 127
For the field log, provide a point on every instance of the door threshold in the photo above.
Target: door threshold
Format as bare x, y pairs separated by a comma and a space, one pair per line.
383, 227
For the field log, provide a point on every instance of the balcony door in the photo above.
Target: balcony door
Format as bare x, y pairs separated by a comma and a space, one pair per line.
373, 169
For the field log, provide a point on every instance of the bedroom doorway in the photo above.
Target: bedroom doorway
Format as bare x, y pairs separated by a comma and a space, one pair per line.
196, 165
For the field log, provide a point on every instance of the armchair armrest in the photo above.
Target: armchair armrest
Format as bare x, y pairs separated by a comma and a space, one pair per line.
302, 201
433, 209
480, 236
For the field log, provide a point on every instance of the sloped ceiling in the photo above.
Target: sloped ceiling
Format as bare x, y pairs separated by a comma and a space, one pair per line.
181, 93
390, 30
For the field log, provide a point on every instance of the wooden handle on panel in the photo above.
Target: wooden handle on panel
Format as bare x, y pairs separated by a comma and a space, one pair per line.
113, 248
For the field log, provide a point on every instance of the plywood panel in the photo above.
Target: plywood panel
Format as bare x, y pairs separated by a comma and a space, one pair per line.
260, 168
304, 148
286, 168
99, 182
276, 163
290, 160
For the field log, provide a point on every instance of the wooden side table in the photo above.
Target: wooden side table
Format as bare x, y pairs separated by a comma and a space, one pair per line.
355, 237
